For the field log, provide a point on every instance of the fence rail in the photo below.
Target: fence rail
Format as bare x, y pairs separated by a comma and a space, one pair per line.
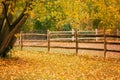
72, 36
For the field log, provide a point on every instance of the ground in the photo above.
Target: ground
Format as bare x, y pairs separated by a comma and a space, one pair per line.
30, 64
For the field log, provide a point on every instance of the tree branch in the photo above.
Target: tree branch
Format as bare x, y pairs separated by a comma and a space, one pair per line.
20, 17
1, 18
5, 13
1, 23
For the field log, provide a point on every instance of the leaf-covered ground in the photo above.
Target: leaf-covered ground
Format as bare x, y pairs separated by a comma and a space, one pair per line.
31, 65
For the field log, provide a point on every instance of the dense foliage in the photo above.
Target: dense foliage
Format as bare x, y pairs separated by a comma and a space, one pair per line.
80, 14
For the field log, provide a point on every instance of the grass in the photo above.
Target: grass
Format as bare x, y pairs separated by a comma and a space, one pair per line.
39, 65
73, 51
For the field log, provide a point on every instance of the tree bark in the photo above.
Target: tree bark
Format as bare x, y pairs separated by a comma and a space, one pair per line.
9, 40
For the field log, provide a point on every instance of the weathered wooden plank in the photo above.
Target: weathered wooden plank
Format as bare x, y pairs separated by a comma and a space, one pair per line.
113, 50
54, 32
48, 39
94, 42
60, 39
62, 34
76, 41
33, 34
113, 36
34, 40
97, 49
90, 35
21, 41
115, 43
105, 44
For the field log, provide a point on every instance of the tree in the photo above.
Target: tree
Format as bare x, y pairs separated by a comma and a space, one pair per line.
11, 22
48, 15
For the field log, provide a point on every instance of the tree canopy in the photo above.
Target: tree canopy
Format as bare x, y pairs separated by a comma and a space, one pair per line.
80, 14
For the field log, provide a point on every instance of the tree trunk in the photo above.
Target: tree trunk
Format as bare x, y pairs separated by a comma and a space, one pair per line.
8, 29
9, 39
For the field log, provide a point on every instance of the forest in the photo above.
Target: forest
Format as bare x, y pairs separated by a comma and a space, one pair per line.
74, 14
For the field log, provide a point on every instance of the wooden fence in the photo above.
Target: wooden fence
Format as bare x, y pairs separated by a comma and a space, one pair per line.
77, 37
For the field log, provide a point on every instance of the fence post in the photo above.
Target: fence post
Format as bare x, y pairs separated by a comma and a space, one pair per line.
105, 44
48, 39
96, 32
21, 41
76, 41
73, 37
117, 34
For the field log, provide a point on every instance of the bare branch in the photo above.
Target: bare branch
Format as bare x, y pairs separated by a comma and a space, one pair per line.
5, 13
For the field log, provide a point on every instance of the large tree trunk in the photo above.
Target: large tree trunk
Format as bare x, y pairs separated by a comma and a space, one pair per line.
9, 38
8, 29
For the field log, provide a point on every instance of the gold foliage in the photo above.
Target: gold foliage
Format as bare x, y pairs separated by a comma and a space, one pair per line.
31, 14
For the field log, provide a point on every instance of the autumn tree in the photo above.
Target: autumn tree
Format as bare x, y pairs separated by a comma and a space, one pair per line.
11, 22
